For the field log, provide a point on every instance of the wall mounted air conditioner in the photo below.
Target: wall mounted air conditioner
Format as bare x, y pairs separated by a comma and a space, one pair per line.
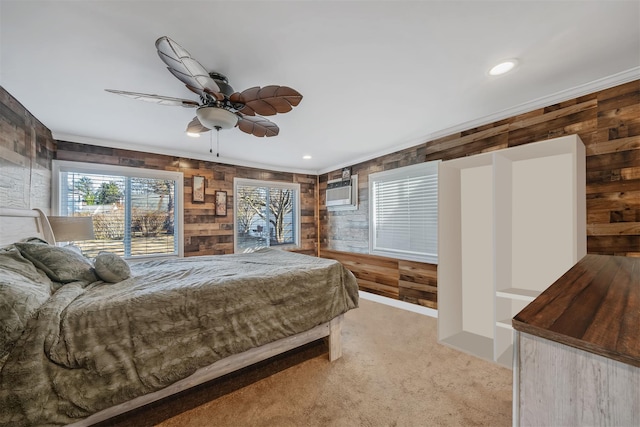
342, 194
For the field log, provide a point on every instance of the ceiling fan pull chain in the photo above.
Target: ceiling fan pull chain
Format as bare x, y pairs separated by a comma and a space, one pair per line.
218, 141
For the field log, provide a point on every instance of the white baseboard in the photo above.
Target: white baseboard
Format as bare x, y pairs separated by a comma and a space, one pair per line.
399, 304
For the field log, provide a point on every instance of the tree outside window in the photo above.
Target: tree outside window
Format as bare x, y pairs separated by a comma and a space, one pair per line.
266, 215
132, 216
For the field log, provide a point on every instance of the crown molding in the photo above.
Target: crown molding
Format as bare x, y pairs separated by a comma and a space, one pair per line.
563, 95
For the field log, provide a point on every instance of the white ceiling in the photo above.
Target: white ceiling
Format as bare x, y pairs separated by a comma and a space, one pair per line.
376, 76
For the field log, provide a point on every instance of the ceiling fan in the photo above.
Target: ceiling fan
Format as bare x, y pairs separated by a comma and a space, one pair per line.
219, 107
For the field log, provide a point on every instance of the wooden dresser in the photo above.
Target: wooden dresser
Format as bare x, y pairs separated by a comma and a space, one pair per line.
577, 352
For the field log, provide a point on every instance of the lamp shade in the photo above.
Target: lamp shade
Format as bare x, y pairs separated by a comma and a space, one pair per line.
216, 118
72, 228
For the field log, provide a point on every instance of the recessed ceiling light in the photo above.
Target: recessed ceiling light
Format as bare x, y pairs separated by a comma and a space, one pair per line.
503, 67
306, 157
193, 134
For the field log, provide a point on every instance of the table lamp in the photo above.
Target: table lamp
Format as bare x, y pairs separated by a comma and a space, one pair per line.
72, 228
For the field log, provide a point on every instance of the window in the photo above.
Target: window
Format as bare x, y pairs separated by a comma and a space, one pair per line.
136, 212
267, 214
404, 213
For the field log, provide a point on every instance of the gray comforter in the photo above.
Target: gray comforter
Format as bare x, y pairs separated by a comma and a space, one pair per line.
92, 346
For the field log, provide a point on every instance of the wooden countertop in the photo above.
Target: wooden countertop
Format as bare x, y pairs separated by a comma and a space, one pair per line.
595, 306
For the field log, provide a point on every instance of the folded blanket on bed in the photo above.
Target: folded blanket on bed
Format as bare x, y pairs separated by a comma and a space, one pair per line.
93, 346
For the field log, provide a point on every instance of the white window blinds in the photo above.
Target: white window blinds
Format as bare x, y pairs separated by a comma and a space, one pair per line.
404, 212
135, 212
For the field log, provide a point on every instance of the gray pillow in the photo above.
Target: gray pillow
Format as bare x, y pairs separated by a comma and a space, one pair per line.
11, 259
111, 268
61, 264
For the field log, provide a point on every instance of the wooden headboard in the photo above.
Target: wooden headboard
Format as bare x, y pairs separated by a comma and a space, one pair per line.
18, 224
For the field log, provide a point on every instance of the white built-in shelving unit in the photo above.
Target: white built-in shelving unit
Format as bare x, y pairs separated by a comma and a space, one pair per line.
511, 222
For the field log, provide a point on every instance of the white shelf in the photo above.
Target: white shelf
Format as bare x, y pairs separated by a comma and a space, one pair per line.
519, 294
510, 222
504, 324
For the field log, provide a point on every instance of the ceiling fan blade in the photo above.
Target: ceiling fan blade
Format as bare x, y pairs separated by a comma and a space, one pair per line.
195, 126
185, 67
238, 103
246, 95
158, 99
268, 100
257, 126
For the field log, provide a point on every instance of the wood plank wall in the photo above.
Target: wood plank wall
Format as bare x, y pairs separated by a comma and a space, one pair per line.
398, 279
26, 151
608, 122
205, 233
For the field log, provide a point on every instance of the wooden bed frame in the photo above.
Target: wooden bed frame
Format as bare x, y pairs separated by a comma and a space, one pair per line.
17, 224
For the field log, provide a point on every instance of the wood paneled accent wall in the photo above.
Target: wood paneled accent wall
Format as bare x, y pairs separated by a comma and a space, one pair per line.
205, 233
607, 121
26, 150
394, 278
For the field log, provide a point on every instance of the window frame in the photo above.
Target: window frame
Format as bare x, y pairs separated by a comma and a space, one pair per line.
416, 170
270, 184
59, 166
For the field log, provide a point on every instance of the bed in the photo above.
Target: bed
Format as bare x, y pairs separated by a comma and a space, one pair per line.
78, 346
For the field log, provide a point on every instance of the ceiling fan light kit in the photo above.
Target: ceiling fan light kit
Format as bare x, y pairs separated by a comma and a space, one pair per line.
216, 118
219, 107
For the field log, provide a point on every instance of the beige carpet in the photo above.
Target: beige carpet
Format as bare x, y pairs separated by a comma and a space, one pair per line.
392, 373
